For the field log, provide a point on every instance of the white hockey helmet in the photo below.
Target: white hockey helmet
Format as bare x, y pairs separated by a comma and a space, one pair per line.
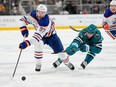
42, 8
113, 2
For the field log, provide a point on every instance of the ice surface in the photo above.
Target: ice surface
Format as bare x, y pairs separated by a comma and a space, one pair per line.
101, 72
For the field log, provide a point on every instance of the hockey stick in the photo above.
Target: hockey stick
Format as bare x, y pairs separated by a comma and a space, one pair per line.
74, 29
80, 30
60, 52
17, 61
64, 51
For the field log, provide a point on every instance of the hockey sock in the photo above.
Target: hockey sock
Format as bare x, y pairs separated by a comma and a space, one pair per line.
89, 58
57, 62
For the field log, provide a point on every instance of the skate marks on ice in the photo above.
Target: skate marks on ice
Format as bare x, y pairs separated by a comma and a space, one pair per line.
100, 73
55, 77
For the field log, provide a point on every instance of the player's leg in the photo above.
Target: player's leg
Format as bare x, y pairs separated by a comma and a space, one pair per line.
90, 55
72, 49
65, 59
38, 52
56, 44
49, 41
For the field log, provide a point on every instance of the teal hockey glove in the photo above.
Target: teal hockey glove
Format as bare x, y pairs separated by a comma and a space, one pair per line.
72, 49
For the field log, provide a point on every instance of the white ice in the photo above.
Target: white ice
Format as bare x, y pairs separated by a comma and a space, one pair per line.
101, 72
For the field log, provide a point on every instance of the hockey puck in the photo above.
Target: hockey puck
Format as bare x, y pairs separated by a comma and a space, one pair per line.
23, 78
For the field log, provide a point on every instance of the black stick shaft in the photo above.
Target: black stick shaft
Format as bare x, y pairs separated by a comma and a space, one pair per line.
80, 30
74, 29
17, 63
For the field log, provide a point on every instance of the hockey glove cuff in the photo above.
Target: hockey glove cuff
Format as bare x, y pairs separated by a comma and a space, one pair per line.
24, 31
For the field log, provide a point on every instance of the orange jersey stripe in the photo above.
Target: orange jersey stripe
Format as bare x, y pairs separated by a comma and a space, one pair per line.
37, 36
22, 29
38, 54
28, 44
52, 29
49, 33
25, 21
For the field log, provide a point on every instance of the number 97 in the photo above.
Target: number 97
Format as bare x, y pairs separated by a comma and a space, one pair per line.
42, 29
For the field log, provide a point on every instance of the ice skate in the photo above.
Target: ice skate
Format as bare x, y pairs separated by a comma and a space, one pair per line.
83, 65
70, 66
38, 68
57, 62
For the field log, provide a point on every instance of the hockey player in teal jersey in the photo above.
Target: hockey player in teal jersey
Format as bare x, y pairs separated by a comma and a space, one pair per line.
88, 40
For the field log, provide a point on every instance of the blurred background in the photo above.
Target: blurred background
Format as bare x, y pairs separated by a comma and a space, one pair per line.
55, 7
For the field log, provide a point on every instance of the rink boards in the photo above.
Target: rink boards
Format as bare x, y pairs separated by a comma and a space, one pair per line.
61, 21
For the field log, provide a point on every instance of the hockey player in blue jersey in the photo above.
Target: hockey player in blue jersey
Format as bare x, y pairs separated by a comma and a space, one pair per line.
45, 33
109, 20
88, 40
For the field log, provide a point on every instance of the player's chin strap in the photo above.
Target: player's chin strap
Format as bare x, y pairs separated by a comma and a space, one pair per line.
80, 30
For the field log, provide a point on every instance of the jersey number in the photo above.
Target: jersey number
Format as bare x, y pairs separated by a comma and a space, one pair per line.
42, 29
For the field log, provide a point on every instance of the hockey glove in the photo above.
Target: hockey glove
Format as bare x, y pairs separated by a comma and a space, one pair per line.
24, 44
72, 49
24, 31
84, 48
105, 26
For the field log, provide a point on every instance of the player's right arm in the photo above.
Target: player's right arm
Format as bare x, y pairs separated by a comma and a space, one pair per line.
23, 26
24, 21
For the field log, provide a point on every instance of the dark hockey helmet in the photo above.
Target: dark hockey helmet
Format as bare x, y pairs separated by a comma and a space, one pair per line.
91, 29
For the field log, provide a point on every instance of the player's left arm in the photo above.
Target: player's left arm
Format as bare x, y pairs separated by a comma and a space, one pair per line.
76, 43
